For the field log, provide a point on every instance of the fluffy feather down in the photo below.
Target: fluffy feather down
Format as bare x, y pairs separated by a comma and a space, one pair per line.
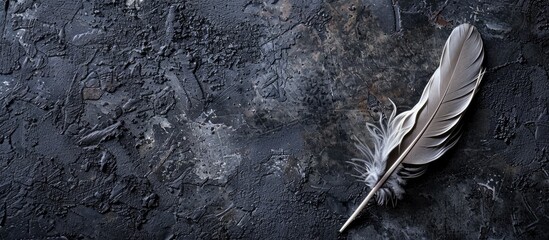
385, 138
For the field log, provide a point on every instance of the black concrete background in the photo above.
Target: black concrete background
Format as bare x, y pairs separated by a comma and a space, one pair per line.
216, 119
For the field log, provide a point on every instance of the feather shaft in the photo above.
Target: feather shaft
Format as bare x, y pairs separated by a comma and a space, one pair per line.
383, 179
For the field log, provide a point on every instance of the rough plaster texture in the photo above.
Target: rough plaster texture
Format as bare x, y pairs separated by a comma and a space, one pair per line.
217, 119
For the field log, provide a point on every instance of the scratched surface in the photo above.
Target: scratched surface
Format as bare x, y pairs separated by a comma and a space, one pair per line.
216, 119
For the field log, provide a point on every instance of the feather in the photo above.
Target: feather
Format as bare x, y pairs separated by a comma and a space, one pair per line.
404, 143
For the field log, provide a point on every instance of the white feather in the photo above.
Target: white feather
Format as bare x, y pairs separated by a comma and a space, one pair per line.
425, 132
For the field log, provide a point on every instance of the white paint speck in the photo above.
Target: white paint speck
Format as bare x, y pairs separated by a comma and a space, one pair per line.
134, 3
162, 122
215, 154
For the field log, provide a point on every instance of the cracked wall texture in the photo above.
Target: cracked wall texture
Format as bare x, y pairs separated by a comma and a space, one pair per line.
216, 119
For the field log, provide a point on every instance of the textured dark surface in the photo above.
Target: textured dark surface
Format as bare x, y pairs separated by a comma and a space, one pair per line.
218, 119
